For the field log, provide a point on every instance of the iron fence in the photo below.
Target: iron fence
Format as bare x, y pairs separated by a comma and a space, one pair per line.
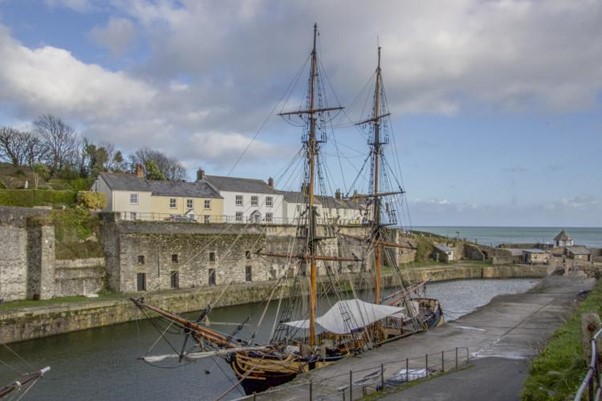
591, 381
359, 383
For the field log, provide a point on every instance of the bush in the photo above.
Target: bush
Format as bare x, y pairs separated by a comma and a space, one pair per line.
36, 197
92, 200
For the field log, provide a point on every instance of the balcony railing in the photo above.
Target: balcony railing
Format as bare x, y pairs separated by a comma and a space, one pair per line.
224, 219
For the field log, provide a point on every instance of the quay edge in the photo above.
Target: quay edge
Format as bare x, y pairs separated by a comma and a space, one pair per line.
42, 321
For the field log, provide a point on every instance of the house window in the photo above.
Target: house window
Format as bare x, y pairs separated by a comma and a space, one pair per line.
133, 215
174, 279
211, 256
269, 202
172, 203
174, 258
141, 282
239, 216
254, 200
238, 200
140, 259
133, 199
207, 204
211, 276
189, 204
247, 254
248, 273
207, 219
269, 217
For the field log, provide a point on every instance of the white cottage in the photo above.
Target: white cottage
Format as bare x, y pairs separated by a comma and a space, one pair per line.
247, 200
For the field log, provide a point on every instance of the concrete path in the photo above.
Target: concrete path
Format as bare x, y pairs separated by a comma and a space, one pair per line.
502, 336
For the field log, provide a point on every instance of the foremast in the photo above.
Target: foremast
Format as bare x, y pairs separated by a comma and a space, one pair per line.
312, 149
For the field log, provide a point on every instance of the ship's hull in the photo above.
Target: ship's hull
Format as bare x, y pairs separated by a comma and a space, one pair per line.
259, 372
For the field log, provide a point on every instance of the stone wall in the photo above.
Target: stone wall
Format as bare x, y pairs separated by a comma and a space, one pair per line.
31, 323
79, 276
20, 270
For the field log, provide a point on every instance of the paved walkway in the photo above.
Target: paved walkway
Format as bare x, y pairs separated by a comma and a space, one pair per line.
502, 336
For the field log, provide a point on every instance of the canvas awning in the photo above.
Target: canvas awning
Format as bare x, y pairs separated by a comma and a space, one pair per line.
349, 315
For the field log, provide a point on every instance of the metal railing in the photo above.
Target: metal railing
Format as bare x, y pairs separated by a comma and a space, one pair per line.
360, 383
213, 219
591, 381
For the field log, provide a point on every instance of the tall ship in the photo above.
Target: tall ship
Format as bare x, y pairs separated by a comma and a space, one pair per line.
323, 313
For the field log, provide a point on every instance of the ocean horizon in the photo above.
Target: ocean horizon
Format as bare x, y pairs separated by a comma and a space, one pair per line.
494, 236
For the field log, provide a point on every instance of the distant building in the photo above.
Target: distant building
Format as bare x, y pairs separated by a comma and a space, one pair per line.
563, 239
443, 253
516, 254
579, 253
535, 256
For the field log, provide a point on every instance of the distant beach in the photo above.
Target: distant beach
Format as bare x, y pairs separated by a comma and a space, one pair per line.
493, 236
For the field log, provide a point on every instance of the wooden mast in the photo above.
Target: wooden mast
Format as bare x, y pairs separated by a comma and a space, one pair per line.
376, 199
312, 155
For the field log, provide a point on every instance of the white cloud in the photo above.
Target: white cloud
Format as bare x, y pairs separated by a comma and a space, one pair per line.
52, 80
116, 36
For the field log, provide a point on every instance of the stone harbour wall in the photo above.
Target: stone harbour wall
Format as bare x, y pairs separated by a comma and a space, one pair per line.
31, 323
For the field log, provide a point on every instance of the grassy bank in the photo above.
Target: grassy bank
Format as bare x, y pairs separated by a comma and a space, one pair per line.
557, 372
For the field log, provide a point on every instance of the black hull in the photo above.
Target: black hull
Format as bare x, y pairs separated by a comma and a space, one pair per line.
252, 385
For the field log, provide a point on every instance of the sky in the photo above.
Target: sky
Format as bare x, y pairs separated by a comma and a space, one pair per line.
496, 106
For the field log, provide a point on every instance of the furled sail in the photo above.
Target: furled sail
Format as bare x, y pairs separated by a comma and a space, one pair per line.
349, 315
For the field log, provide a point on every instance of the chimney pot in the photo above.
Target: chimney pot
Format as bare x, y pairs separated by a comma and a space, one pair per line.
139, 171
271, 183
200, 174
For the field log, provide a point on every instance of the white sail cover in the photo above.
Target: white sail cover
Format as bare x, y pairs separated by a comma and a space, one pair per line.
349, 315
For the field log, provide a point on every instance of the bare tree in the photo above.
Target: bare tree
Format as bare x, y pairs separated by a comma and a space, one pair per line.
16, 146
167, 167
59, 140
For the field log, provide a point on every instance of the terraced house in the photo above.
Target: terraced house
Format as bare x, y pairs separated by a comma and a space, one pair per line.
137, 198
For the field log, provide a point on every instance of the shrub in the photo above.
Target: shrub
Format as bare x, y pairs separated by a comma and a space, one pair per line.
92, 200
36, 197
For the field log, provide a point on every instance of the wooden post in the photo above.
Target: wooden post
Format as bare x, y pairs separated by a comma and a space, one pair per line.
382, 377
351, 385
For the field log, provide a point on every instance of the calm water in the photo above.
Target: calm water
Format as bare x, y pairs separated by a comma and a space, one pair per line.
588, 236
101, 364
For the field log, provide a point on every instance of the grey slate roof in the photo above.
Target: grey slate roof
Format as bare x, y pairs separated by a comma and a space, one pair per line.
515, 251
130, 182
233, 184
534, 250
579, 250
443, 248
562, 236
292, 197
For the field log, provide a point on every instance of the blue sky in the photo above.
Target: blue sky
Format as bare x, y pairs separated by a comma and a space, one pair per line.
496, 105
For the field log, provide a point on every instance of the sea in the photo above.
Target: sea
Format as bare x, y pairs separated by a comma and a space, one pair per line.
494, 236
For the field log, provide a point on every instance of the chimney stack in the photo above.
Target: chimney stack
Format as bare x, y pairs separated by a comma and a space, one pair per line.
139, 171
271, 183
337, 194
200, 174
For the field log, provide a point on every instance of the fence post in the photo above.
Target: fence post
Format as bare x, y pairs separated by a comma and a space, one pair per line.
442, 361
456, 358
426, 357
407, 370
311, 390
382, 377
351, 385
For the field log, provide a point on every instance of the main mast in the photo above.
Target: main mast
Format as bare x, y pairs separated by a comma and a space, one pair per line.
312, 150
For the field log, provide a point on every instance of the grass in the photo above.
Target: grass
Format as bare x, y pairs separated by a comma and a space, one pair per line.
28, 303
557, 372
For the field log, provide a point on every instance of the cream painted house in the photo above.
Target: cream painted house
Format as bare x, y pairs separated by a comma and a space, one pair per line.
137, 198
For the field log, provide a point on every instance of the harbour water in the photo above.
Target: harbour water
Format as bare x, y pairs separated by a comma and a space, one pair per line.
102, 364
588, 236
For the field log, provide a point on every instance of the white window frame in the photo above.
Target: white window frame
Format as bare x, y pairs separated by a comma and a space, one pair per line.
239, 200
189, 203
239, 217
207, 204
254, 200
134, 199
207, 219
269, 217
173, 203
269, 201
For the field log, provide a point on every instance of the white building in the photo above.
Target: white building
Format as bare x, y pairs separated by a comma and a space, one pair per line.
247, 200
